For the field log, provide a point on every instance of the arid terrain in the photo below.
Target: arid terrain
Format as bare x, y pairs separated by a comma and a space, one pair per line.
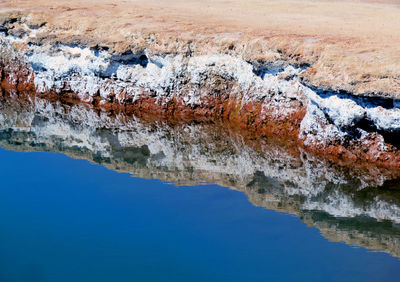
351, 45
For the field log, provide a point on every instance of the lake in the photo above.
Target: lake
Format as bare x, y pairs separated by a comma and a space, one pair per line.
93, 196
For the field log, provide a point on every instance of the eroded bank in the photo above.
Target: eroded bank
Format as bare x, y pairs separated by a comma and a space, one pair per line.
269, 98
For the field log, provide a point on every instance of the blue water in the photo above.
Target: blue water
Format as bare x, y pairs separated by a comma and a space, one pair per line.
63, 219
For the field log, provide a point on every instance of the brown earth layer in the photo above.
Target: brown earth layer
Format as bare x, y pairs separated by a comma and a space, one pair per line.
247, 118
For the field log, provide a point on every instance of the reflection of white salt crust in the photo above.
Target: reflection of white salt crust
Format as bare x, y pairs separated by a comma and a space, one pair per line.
188, 155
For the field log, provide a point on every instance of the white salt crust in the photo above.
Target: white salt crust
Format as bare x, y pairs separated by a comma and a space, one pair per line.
89, 72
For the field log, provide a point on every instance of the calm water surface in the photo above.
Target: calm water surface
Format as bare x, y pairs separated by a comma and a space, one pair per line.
69, 220
284, 217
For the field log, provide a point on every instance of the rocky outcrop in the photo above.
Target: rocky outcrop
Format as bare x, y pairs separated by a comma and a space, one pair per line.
267, 97
357, 205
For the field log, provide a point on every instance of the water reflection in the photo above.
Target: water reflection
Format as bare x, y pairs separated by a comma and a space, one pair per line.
359, 206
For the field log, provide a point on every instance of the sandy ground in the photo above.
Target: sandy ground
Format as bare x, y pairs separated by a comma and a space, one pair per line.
350, 45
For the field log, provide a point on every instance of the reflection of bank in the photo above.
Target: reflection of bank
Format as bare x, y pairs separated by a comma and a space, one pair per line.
354, 205
361, 231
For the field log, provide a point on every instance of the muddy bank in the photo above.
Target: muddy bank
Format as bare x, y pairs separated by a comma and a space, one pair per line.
267, 92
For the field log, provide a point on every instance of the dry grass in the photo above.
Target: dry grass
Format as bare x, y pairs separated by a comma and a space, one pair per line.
351, 45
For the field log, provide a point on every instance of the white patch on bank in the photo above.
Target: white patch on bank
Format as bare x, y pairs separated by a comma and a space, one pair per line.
90, 73
328, 118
